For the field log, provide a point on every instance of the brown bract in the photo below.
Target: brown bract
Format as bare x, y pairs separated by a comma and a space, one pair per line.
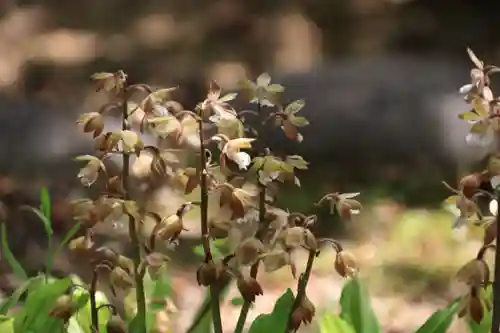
303, 314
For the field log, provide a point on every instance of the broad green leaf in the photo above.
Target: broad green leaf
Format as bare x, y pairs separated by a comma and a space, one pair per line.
83, 315
7, 254
330, 323
34, 316
277, 320
6, 324
16, 295
356, 308
440, 321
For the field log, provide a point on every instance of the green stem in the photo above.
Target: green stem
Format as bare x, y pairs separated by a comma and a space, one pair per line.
93, 303
302, 285
132, 229
214, 290
245, 308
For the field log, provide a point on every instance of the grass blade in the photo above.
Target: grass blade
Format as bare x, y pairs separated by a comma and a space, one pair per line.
9, 256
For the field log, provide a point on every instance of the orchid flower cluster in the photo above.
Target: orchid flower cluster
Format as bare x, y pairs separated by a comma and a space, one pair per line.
484, 118
235, 191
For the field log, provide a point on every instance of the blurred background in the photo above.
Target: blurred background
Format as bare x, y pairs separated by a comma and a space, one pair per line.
380, 79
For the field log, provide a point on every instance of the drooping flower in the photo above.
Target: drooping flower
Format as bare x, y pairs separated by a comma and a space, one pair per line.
231, 149
217, 106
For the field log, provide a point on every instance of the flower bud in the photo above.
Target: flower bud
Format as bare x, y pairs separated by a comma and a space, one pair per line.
345, 264
474, 273
472, 307
304, 313
469, 184
248, 252
64, 308
119, 278
348, 207
207, 274
249, 288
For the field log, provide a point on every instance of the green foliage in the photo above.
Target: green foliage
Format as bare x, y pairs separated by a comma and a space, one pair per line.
277, 320
356, 308
7, 254
330, 323
440, 320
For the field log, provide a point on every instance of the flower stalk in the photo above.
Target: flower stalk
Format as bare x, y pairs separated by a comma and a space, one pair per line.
495, 319
254, 270
132, 228
214, 289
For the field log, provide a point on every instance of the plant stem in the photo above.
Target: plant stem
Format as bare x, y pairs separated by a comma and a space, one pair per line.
495, 321
93, 303
214, 290
140, 296
245, 308
302, 285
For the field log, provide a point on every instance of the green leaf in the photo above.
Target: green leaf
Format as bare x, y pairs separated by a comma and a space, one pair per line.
72, 232
237, 301
47, 225
356, 308
217, 248
295, 107
330, 323
45, 205
7, 253
277, 320
34, 316
6, 324
83, 315
440, 321
16, 295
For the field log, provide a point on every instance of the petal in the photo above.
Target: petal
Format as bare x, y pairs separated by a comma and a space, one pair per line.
466, 88
242, 159
493, 207
495, 181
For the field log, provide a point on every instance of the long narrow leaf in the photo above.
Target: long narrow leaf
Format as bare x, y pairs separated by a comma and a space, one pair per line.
47, 225
7, 253
16, 295
440, 320
45, 204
